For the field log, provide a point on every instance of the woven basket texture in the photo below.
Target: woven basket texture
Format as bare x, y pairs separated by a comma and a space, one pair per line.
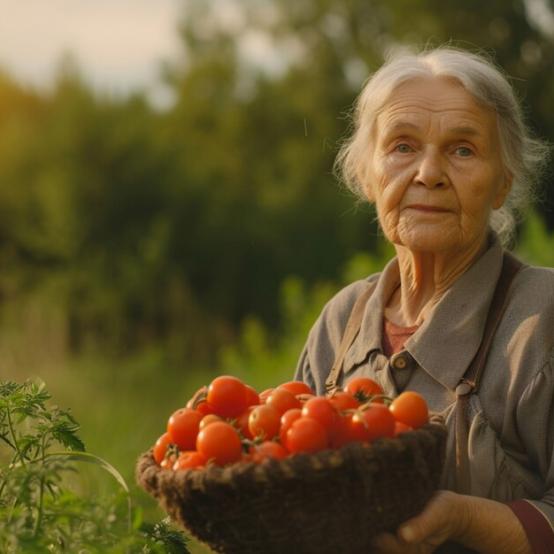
334, 501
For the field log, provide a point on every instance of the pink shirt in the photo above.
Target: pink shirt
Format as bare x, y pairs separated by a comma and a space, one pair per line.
395, 336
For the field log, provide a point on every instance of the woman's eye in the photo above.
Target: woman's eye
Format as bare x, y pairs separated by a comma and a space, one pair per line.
403, 148
464, 151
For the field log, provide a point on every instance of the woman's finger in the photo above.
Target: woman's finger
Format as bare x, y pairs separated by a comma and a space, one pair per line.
386, 543
437, 522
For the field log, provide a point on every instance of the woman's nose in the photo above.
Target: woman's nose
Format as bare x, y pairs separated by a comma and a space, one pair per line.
430, 172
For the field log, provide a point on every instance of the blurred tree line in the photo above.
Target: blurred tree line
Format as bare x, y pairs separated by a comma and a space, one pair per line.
123, 226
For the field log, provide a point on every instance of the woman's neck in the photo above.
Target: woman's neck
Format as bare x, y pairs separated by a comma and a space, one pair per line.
424, 278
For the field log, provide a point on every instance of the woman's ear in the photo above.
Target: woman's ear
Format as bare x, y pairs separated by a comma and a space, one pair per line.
503, 190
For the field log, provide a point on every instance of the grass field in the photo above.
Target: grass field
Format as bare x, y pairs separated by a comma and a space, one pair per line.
122, 407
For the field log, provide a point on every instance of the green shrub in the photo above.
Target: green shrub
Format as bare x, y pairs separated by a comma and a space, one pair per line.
41, 507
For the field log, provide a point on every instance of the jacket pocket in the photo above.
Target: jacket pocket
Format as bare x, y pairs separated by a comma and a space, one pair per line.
495, 473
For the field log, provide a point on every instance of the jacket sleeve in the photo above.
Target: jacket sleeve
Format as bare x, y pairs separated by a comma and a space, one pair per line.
303, 371
535, 421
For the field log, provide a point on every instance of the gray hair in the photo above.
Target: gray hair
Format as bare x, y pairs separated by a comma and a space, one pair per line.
523, 156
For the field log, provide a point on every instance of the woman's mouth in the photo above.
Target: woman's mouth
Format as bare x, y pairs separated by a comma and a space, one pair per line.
427, 208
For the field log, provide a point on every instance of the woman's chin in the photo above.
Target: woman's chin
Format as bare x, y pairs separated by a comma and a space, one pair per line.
429, 241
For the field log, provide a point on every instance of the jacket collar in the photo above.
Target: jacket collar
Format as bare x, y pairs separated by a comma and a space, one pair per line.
449, 338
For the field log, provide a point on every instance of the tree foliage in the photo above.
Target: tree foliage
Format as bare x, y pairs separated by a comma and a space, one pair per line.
145, 226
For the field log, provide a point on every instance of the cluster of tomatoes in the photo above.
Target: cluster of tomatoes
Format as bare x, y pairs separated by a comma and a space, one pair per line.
228, 421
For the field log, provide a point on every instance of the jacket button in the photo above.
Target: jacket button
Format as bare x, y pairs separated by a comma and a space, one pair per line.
464, 388
399, 362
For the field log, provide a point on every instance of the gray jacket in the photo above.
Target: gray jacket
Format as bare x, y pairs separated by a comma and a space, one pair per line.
511, 436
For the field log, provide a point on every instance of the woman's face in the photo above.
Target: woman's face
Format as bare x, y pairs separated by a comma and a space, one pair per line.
435, 170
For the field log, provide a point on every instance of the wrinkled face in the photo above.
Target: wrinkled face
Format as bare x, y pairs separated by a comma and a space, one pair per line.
435, 170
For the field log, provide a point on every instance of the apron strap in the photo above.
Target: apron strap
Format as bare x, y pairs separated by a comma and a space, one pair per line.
469, 383
350, 333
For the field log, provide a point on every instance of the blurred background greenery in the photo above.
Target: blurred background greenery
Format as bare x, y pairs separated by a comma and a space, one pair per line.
145, 249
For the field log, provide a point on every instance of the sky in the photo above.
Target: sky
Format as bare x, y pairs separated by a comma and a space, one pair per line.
118, 44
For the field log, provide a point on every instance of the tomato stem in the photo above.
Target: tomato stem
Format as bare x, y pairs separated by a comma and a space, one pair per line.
373, 399
172, 450
199, 396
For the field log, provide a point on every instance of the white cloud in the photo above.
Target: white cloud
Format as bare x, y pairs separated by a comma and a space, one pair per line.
117, 43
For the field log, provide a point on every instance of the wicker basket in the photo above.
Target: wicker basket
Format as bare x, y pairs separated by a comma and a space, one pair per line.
331, 502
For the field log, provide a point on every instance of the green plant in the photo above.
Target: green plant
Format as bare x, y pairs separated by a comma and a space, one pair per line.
41, 507
536, 244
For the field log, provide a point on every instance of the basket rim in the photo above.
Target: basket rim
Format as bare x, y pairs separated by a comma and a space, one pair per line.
149, 472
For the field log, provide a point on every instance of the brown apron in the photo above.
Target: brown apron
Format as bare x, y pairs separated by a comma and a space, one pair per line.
468, 384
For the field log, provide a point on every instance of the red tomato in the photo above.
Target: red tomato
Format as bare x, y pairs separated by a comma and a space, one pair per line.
189, 460
305, 397
322, 410
339, 435
182, 427
268, 449
355, 429
200, 405
378, 421
252, 397
363, 388
344, 401
204, 408
264, 394
400, 428
242, 423
160, 447
287, 419
306, 435
264, 421
350, 427
207, 419
168, 462
282, 400
297, 387
227, 396
410, 408
219, 442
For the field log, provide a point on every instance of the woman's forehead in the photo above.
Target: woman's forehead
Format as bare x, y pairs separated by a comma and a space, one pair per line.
414, 103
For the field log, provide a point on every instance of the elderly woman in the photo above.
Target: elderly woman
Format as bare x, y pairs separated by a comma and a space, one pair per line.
440, 148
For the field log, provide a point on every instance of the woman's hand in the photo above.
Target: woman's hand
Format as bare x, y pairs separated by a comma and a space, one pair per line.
444, 517
478, 523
